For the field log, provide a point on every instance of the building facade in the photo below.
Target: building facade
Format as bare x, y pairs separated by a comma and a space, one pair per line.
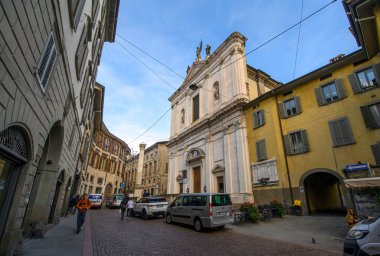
154, 172
49, 53
208, 150
306, 135
106, 167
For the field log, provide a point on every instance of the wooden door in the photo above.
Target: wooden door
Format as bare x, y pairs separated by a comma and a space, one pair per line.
197, 180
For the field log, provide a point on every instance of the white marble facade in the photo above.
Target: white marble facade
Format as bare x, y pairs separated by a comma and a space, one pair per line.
210, 154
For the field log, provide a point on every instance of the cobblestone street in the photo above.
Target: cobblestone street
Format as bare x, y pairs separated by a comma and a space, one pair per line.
135, 236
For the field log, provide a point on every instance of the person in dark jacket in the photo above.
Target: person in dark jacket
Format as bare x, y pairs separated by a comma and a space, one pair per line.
123, 206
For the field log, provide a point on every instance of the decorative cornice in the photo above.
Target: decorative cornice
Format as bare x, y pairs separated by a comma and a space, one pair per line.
206, 122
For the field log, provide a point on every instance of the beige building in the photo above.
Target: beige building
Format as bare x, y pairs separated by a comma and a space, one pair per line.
49, 54
154, 173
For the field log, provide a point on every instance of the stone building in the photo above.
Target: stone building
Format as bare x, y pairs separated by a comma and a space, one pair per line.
106, 167
49, 54
208, 150
154, 171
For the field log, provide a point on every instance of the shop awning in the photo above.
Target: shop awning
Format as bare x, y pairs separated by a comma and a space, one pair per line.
363, 182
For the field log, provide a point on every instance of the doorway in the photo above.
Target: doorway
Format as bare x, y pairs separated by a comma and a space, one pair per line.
197, 179
56, 196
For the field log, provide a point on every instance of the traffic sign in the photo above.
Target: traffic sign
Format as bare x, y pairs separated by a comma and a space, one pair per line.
357, 167
122, 185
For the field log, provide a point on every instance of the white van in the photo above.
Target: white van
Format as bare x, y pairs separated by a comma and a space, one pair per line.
203, 210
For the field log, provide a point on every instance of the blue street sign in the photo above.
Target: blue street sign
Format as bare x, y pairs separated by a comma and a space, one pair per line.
122, 185
357, 167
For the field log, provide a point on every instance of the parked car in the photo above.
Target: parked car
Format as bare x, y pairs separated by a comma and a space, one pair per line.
206, 210
114, 201
363, 238
96, 200
150, 206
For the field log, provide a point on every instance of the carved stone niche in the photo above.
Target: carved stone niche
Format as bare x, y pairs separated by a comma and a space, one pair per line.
195, 154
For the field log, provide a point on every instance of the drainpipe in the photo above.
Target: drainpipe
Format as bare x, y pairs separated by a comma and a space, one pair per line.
284, 151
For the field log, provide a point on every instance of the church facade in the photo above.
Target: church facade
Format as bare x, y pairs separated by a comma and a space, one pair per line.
208, 148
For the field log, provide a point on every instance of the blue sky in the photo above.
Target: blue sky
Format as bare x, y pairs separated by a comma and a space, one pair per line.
170, 30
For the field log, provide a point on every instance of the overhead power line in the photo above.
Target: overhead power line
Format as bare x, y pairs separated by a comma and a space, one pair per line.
149, 55
253, 50
298, 42
122, 46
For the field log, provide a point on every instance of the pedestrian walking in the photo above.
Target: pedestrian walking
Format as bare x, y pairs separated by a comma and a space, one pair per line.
82, 205
129, 208
123, 206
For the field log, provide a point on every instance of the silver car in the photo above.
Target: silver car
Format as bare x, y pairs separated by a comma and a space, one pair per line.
205, 210
150, 206
363, 238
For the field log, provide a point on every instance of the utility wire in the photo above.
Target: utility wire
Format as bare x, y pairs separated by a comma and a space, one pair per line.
298, 42
150, 127
122, 46
150, 56
274, 37
255, 49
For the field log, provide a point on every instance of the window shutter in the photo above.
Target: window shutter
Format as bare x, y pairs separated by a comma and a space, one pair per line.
368, 118
318, 94
263, 116
347, 132
333, 130
376, 152
78, 13
288, 145
255, 123
298, 104
340, 88
261, 150
281, 110
306, 146
89, 30
354, 83
376, 69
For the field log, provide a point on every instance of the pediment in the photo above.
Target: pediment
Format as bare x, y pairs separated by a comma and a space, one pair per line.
198, 65
218, 168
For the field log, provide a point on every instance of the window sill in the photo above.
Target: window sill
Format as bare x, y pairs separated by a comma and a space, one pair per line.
344, 144
270, 183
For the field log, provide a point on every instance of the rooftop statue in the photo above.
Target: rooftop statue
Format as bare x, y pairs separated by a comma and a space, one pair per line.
199, 49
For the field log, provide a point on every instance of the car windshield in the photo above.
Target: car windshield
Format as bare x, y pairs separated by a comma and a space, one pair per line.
370, 220
94, 197
221, 200
119, 197
156, 200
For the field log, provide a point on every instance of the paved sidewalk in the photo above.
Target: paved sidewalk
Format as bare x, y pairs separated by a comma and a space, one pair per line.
62, 240
328, 231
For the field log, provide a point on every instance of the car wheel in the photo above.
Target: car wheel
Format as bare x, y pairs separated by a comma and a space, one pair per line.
221, 227
168, 219
144, 215
197, 224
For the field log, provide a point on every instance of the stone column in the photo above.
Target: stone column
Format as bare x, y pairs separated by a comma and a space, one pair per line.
140, 166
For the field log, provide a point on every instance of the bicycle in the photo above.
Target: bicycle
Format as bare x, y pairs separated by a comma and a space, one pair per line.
239, 218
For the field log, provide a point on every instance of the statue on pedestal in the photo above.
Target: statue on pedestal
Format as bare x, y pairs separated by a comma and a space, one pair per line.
199, 49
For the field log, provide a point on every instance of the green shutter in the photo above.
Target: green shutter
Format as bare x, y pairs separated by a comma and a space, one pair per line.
261, 151
368, 118
263, 116
281, 110
254, 117
355, 85
318, 94
305, 141
340, 88
288, 145
376, 70
298, 104
333, 131
376, 152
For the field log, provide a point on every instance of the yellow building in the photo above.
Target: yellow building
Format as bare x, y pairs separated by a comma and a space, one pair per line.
305, 135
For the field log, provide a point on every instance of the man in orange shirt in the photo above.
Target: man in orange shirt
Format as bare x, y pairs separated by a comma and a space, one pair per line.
82, 205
